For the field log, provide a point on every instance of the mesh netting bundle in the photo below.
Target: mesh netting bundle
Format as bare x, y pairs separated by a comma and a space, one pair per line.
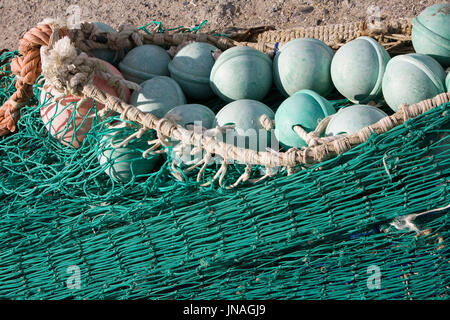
314, 234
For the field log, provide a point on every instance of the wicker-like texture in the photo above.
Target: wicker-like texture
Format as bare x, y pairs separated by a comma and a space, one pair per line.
339, 33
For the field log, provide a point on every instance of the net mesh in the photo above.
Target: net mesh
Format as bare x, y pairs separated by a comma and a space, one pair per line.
321, 233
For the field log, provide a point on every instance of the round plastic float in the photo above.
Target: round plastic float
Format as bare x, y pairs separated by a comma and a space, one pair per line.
68, 126
303, 64
241, 73
248, 131
195, 117
411, 78
191, 68
305, 108
357, 69
158, 96
431, 33
193, 114
353, 118
145, 62
104, 54
126, 163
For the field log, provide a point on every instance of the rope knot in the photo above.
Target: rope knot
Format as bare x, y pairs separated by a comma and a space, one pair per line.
128, 36
163, 138
404, 109
267, 123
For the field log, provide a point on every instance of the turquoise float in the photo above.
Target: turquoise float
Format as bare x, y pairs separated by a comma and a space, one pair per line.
244, 115
192, 114
357, 69
145, 62
303, 64
126, 163
241, 73
191, 68
431, 33
305, 108
193, 117
411, 78
353, 118
104, 54
158, 96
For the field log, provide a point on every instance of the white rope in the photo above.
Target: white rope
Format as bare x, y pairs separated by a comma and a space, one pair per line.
406, 222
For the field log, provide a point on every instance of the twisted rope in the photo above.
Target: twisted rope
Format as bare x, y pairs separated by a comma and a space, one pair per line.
338, 34
88, 37
27, 68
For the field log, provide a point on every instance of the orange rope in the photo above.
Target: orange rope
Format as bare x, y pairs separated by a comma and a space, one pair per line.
27, 67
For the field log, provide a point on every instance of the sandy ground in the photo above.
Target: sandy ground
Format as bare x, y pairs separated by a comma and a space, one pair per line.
17, 17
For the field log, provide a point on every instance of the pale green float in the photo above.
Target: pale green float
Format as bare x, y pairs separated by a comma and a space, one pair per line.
158, 96
353, 118
145, 62
305, 108
431, 33
241, 73
303, 64
411, 78
192, 114
357, 69
191, 68
126, 163
195, 117
244, 115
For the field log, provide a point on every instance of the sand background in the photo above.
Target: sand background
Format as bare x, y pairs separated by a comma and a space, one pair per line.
16, 17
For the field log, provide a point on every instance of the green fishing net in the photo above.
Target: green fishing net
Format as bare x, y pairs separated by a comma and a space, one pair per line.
341, 229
